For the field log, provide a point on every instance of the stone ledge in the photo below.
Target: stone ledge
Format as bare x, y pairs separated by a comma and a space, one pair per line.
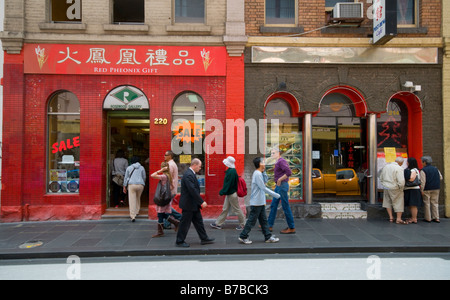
300, 210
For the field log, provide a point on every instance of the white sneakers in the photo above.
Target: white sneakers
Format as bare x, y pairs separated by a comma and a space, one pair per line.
272, 239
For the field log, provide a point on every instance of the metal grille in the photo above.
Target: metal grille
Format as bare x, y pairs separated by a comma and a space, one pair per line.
348, 10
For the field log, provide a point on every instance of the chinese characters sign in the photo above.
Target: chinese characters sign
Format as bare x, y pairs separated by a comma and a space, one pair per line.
124, 60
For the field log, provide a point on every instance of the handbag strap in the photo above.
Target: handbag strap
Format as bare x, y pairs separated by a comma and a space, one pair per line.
131, 174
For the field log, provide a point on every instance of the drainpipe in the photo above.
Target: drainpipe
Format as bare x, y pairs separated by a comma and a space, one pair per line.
307, 157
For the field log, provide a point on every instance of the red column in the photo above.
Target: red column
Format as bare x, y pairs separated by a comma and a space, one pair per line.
13, 136
235, 108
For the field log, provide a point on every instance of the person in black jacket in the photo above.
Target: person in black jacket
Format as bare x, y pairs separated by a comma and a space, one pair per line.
191, 202
430, 187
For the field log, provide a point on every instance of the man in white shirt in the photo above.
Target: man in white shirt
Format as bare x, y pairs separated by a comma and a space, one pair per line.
393, 179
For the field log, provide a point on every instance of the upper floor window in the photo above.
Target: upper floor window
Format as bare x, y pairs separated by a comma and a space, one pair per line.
189, 11
66, 10
280, 12
407, 13
129, 11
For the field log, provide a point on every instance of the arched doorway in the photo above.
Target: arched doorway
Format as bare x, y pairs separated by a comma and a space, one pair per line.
339, 150
128, 136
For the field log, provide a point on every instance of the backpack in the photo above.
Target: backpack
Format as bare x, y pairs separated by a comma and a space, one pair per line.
242, 187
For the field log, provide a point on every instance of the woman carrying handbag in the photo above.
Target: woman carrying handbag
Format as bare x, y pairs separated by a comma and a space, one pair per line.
163, 190
413, 196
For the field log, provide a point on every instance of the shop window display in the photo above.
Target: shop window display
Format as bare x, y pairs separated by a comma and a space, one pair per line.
63, 169
188, 117
287, 136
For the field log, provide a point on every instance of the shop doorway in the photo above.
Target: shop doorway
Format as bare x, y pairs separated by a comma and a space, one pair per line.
128, 136
339, 152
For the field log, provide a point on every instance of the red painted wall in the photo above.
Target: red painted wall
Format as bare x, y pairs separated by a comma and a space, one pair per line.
26, 97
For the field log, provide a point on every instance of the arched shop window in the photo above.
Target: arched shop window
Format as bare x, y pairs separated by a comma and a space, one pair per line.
392, 127
63, 169
188, 120
287, 137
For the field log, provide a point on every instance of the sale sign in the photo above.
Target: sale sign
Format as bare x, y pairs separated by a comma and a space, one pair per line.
124, 60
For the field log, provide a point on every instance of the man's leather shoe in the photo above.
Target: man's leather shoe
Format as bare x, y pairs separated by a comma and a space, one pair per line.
183, 244
288, 231
207, 241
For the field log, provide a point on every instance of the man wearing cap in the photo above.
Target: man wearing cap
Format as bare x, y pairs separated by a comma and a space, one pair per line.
229, 189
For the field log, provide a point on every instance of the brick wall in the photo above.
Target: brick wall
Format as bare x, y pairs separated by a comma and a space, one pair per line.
312, 15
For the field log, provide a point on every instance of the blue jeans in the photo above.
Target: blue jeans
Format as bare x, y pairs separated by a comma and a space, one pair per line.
283, 191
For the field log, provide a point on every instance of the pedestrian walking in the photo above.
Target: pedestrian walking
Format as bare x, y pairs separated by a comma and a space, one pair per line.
135, 182
229, 190
412, 194
430, 178
281, 177
191, 202
393, 180
164, 212
258, 204
173, 169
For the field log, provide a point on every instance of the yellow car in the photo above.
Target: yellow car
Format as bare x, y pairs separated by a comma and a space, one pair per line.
344, 183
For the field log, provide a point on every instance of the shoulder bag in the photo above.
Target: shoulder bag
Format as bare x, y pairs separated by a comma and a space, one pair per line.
416, 181
163, 195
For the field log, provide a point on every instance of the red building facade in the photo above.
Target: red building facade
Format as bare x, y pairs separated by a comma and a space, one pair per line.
32, 80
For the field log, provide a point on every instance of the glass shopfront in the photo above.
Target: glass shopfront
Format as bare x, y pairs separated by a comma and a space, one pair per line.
188, 132
339, 152
285, 133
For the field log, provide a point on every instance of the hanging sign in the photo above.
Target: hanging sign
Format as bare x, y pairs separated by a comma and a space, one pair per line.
124, 60
384, 21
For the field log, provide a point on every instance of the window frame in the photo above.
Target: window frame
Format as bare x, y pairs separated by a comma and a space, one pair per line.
296, 17
50, 11
174, 16
126, 22
416, 12
49, 115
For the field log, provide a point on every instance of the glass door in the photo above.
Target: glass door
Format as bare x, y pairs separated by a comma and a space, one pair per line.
339, 158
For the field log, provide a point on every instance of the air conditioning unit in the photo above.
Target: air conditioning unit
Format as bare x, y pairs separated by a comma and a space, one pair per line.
348, 10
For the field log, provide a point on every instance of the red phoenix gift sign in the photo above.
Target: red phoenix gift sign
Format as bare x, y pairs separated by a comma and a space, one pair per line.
124, 60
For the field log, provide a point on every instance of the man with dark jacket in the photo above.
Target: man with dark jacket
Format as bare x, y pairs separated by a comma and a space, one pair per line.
430, 178
191, 202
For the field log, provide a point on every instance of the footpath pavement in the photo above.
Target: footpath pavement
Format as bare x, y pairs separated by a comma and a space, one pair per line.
121, 237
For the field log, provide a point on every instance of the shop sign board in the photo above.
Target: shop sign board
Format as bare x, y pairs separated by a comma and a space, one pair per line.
384, 21
126, 98
124, 60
